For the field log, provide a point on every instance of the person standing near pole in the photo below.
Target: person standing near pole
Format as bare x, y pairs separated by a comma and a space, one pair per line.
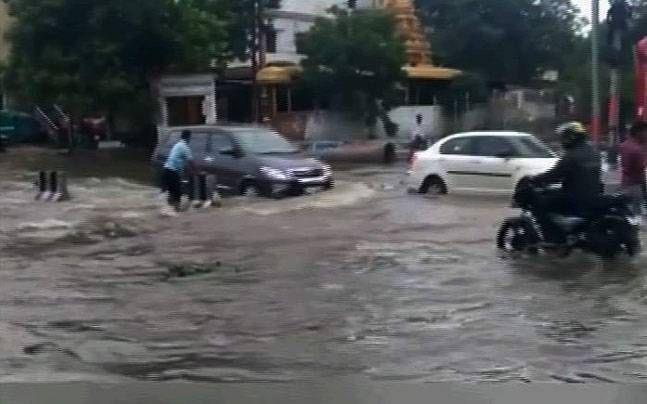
633, 159
418, 141
179, 158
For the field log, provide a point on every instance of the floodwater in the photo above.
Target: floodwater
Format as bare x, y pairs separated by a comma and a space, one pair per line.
363, 280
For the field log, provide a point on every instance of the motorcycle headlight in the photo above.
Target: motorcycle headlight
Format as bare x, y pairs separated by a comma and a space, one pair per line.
635, 221
274, 174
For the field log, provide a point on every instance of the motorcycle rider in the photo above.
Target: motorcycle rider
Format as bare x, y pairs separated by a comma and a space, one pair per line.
579, 171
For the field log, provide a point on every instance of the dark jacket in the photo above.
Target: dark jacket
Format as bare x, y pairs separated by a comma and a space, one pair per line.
579, 171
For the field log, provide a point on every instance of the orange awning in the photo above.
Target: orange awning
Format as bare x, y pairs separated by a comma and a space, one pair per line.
428, 72
278, 74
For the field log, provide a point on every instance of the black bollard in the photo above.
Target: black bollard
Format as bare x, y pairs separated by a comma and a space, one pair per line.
202, 181
191, 188
53, 185
62, 193
42, 185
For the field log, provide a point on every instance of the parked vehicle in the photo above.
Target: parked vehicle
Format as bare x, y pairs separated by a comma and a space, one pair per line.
17, 127
608, 228
249, 161
369, 151
4, 141
479, 161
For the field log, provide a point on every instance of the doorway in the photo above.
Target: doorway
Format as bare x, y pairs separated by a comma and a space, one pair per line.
185, 111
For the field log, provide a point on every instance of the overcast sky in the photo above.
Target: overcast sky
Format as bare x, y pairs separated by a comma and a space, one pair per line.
585, 6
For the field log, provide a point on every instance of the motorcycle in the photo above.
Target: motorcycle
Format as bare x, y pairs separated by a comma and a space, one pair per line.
608, 229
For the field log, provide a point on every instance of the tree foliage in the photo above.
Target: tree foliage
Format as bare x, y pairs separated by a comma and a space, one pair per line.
241, 16
503, 40
92, 56
354, 59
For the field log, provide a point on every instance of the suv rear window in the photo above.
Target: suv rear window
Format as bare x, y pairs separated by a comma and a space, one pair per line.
458, 146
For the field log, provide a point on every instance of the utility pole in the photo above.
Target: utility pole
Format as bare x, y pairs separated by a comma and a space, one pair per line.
617, 21
595, 63
614, 103
256, 39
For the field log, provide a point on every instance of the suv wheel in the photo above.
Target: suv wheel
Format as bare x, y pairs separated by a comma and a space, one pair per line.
250, 190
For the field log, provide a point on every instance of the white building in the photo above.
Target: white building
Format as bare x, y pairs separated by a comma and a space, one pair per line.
294, 17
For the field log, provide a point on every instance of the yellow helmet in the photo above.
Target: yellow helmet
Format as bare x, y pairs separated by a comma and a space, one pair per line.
571, 133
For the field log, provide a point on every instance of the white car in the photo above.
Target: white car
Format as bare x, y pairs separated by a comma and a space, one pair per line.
491, 162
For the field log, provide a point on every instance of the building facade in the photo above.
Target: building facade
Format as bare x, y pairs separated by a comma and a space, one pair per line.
282, 101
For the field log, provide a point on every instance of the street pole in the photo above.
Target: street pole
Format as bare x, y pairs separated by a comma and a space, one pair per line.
614, 101
595, 63
257, 63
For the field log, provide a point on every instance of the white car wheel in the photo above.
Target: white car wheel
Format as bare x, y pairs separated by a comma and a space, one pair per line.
433, 185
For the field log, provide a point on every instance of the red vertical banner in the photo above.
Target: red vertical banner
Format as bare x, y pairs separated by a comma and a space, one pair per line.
595, 129
640, 55
614, 106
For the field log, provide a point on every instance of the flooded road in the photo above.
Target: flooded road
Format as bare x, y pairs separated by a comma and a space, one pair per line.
363, 280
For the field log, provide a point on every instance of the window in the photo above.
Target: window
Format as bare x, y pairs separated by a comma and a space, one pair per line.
271, 37
491, 146
173, 138
530, 147
261, 141
460, 146
199, 142
220, 142
185, 111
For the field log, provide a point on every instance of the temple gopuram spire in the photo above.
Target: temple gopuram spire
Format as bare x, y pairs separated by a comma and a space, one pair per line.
419, 56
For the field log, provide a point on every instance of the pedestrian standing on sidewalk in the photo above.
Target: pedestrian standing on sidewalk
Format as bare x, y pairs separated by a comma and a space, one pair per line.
178, 160
418, 141
633, 160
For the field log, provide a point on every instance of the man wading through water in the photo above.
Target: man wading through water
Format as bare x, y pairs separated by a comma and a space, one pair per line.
179, 158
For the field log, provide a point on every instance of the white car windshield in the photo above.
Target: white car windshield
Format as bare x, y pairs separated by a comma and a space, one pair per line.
260, 141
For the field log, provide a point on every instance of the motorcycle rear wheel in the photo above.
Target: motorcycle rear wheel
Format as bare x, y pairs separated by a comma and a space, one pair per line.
612, 236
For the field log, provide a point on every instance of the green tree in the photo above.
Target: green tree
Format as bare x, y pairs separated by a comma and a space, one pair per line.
98, 56
503, 40
354, 60
243, 26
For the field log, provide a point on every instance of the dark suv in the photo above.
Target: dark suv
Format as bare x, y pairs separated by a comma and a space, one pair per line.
248, 160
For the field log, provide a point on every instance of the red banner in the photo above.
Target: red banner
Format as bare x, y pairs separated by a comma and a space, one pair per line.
640, 54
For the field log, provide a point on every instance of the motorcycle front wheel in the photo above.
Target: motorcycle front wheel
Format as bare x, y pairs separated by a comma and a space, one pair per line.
517, 235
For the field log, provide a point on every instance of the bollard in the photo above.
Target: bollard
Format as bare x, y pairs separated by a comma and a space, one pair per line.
190, 190
202, 187
202, 191
42, 185
52, 186
213, 194
61, 193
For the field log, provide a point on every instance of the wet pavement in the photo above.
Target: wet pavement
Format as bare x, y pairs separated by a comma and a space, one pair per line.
363, 280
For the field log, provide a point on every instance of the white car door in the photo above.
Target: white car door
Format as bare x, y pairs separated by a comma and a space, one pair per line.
493, 164
455, 159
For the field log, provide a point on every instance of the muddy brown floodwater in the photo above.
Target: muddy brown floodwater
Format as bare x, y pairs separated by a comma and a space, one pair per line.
363, 280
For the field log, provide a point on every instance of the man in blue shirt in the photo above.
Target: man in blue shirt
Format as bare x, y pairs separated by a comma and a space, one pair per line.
178, 159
